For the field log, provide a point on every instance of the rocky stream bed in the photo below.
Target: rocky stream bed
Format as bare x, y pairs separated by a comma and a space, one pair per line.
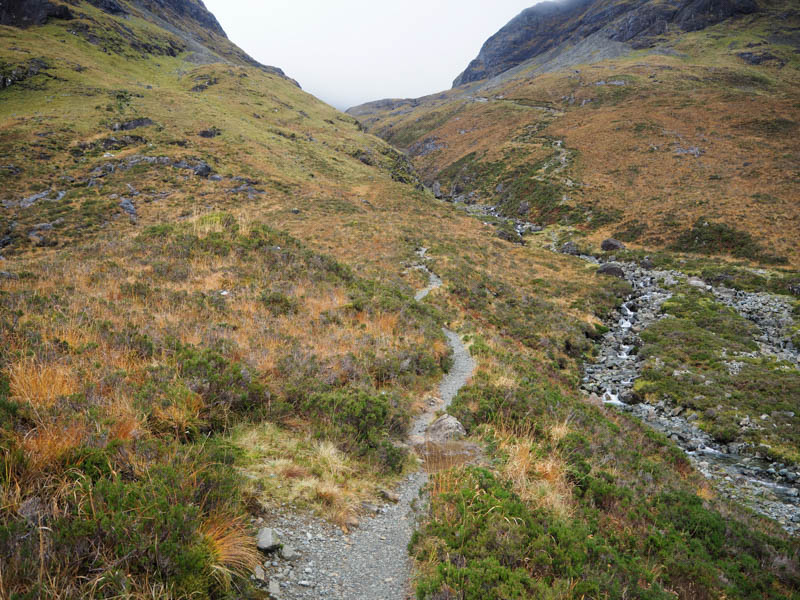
738, 472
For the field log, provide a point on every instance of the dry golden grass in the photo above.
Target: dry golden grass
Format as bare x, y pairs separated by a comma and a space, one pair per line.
538, 480
47, 444
290, 467
41, 384
232, 547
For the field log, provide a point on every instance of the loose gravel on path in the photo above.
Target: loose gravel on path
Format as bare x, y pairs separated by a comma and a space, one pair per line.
372, 562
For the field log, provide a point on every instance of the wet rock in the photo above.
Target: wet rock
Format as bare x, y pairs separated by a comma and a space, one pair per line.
612, 245
26, 13
510, 236
444, 429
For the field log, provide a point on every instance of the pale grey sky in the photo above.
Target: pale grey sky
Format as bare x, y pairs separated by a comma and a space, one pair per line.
347, 52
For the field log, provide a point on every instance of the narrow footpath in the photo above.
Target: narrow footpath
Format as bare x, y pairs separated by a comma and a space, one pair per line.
319, 560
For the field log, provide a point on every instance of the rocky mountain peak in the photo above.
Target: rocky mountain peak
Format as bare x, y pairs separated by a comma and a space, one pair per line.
547, 25
203, 37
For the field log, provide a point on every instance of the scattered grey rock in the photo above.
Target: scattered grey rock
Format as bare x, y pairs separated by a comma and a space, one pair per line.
692, 151
390, 496
698, 283
570, 248
763, 488
426, 146
202, 169
757, 58
288, 552
127, 205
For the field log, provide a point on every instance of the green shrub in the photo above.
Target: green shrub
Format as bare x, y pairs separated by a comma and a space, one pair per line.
278, 303
706, 237
362, 421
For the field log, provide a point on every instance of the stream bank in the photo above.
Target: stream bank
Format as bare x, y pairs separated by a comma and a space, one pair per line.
736, 470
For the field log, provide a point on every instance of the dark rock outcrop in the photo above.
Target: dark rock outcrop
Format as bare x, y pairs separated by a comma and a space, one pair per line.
180, 11
25, 13
188, 19
134, 124
612, 245
611, 269
547, 25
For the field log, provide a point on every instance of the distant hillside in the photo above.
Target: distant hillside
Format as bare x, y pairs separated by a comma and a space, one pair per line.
663, 114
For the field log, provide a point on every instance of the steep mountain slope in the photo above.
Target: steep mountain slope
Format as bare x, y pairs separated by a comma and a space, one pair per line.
208, 323
699, 127
550, 25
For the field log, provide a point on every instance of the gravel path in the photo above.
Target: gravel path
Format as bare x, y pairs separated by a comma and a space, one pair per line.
319, 560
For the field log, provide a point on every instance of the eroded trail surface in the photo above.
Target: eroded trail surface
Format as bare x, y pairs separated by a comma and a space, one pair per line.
319, 560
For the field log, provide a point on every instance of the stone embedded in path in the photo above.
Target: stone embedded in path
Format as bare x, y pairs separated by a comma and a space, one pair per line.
288, 552
390, 496
267, 540
444, 429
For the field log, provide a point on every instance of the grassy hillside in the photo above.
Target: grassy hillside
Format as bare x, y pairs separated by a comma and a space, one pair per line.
206, 310
701, 128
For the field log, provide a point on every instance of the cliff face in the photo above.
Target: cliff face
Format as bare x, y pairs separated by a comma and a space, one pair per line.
24, 13
548, 25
